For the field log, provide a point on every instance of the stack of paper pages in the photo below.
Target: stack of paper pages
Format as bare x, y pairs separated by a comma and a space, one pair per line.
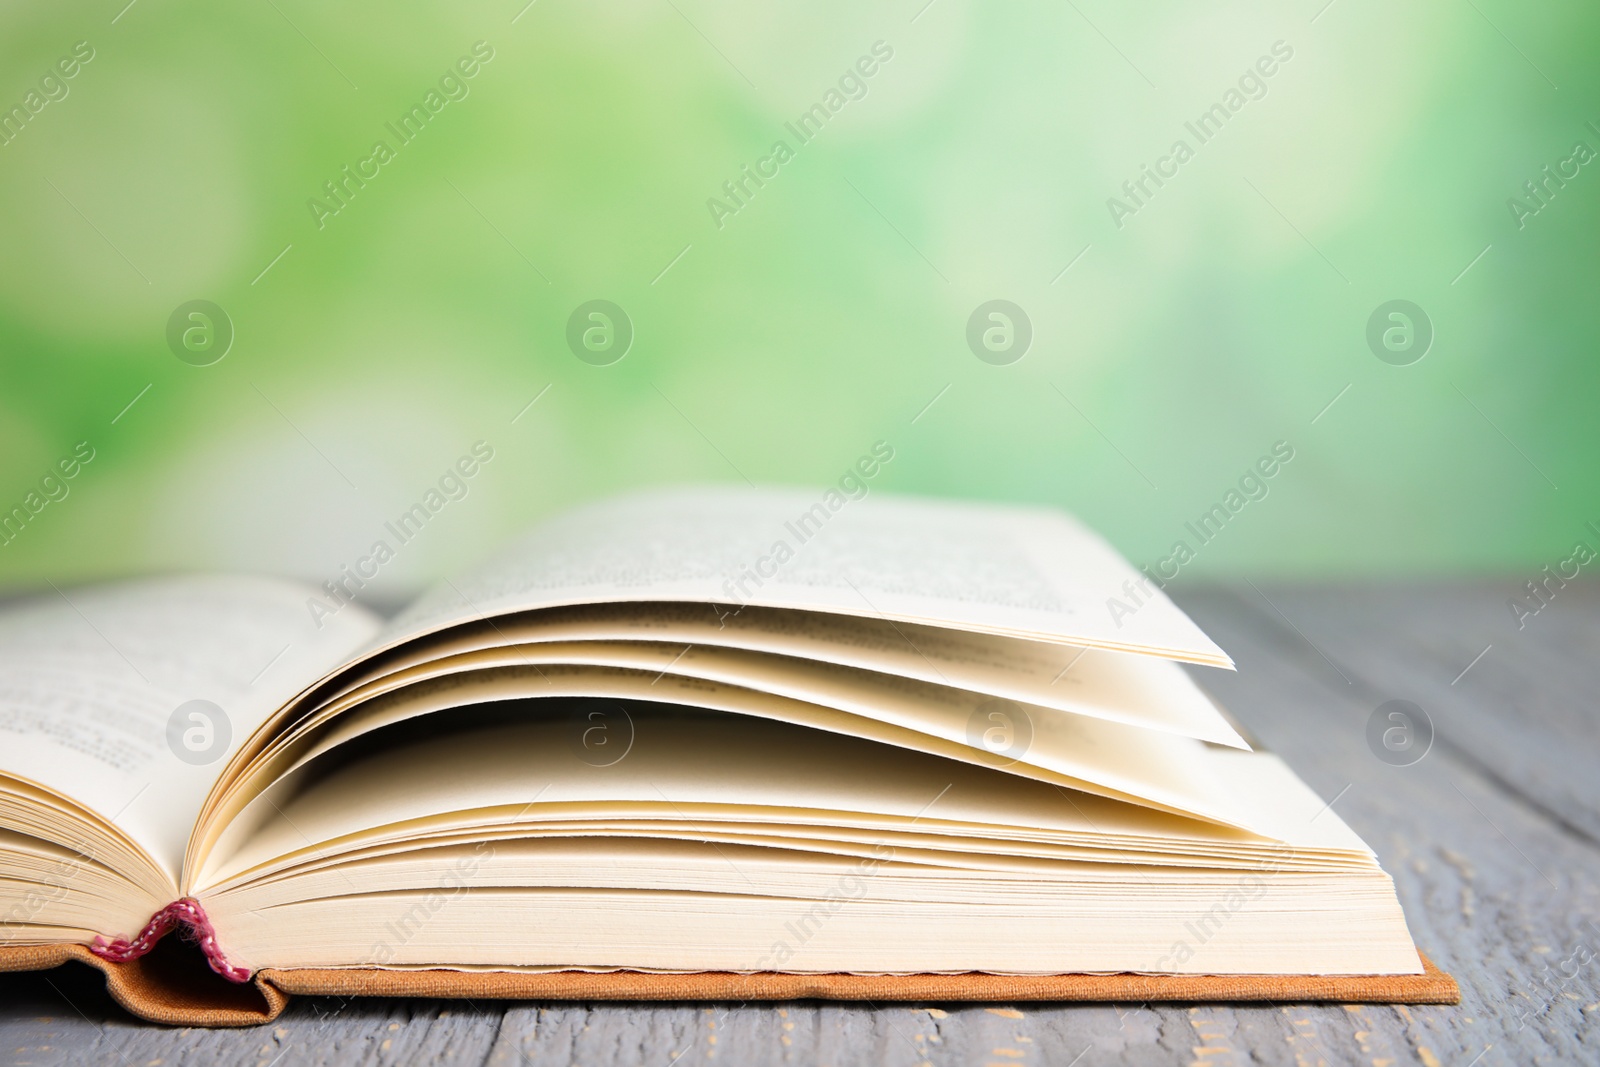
696, 730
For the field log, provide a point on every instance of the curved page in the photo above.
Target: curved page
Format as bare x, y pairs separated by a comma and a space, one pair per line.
1138, 690
1022, 572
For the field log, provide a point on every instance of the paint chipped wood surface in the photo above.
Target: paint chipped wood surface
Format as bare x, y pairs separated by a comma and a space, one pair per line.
1492, 839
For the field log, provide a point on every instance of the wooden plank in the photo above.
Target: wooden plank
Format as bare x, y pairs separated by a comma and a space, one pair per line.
1490, 838
1497, 887
1523, 712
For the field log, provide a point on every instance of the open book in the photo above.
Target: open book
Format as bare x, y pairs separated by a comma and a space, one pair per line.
748, 733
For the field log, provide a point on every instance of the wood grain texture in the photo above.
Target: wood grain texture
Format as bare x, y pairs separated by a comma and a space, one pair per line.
1491, 837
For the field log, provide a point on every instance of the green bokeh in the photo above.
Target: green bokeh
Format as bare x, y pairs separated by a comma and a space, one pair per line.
828, 311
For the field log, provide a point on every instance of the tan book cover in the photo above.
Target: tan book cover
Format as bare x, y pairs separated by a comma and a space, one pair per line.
174, 987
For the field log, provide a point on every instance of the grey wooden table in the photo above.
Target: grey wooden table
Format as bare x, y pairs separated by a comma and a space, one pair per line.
1491, 838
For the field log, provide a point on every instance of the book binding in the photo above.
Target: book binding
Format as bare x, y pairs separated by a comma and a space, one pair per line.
186, 913
167, 985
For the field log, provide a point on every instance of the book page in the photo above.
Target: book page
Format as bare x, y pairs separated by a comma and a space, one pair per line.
1020, 572
1137, 690
1144, 767
1130, 761
128, 698
694, 767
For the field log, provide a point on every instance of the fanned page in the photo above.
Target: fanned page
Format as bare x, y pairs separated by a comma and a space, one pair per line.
1021, 572
715, 839
893, 619
1134, 690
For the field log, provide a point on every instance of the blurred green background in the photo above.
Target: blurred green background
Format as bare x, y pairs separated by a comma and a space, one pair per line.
1168, 353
